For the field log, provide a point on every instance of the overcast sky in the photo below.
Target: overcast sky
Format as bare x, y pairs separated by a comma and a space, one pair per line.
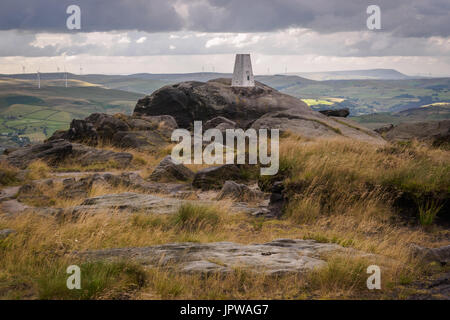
167, 36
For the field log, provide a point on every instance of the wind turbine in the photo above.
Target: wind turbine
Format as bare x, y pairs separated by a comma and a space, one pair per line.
65, 75
39, 78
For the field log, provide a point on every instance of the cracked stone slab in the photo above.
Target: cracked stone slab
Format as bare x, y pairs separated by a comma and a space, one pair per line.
275, 257
138, 202
8, 193
13, 207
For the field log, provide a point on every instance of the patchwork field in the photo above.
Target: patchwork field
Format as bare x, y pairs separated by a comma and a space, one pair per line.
35, 113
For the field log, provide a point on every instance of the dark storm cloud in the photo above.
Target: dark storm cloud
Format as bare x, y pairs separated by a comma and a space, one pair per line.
409, 18
96, 15
403, 17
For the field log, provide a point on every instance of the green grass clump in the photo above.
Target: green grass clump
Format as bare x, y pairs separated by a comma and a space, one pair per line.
428, 211
192, 217
110, 280
342, 274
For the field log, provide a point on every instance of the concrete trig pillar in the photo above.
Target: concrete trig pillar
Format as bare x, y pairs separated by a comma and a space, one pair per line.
243, 74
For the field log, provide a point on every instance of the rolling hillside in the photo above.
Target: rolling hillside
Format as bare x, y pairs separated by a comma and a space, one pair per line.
374, 74
36, 113
27, 112
433, 112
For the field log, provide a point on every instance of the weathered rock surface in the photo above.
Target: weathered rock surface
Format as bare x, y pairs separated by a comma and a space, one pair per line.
9, 193
316, 125
189, 101
221, 105
169, 170
5, 233
31, 193
436, 132
12, 207
220, 123
130, 202
384, 128
215, 177
122, 131
239, 192
440, 255
277, 199
336, 112
433, 289
73, 189
275, 257
56, 152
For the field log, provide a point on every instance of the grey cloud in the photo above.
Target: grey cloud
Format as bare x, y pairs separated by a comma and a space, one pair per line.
96, 15
410, 18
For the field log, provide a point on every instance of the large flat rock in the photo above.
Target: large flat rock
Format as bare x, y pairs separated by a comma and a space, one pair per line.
275, 257
129, 202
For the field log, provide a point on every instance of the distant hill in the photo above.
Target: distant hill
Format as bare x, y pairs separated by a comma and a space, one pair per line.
375, 74
146, 83
433, 112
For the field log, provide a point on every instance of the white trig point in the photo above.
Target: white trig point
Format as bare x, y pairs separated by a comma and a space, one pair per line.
243, 74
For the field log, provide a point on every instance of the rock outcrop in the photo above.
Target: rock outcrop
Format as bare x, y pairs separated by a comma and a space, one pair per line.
73, 189
189, 101
275, 257
435, 132
170, 170
215, 177
342, 113
220, 123
440, 255
129, 202
239, 192
316, 125
122, 131
221, 106
55, 152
